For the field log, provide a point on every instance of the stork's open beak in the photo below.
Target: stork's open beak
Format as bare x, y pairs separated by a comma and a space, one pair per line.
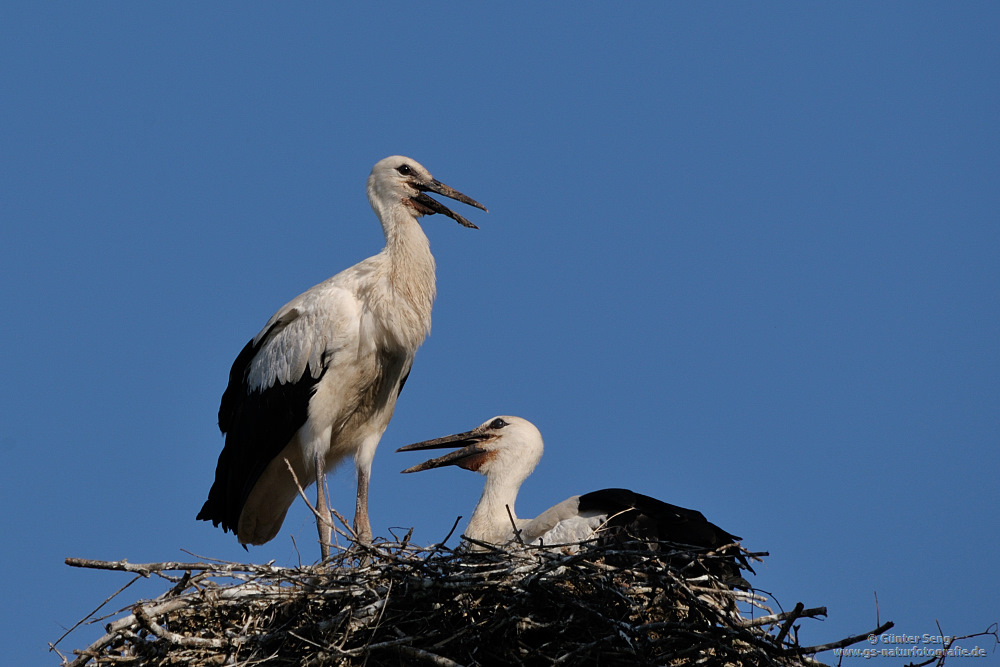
428, 206
470, 456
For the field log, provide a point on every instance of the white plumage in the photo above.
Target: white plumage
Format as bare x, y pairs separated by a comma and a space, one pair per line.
320, 380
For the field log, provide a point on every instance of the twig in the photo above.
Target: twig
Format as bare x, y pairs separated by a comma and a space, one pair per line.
495, 548
450, 532
205, 558
173, 638
96, 609
786, 626
775, 618
947, 645
351, 534
853, 639
513, 525
145, 569
302, 494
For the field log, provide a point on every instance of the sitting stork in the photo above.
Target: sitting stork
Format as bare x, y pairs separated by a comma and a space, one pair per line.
319, 382
507, 449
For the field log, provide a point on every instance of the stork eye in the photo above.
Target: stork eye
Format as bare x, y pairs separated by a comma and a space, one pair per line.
497, 423
404, 169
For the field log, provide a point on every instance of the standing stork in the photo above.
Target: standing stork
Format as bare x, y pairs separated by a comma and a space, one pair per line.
507, 449
320, 380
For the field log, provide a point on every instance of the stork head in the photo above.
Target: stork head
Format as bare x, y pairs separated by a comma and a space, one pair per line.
507, 446
401, 180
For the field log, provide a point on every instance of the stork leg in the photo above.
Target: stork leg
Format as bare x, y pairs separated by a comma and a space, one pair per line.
362, 527
323, 521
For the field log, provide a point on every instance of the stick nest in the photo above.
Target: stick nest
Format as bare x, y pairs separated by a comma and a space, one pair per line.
393, 603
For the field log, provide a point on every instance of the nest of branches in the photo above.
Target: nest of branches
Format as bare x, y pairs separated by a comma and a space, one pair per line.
396, 603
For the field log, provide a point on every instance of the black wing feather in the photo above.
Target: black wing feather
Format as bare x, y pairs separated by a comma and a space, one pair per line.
637, 516
655, 519
257, 424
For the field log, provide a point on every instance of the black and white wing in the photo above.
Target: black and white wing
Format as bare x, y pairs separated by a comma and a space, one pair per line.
270, 387
620, 515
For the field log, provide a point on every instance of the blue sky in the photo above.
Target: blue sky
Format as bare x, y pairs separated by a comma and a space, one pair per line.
741, 258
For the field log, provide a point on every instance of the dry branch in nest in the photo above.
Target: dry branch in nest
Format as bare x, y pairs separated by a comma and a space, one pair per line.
394, 603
